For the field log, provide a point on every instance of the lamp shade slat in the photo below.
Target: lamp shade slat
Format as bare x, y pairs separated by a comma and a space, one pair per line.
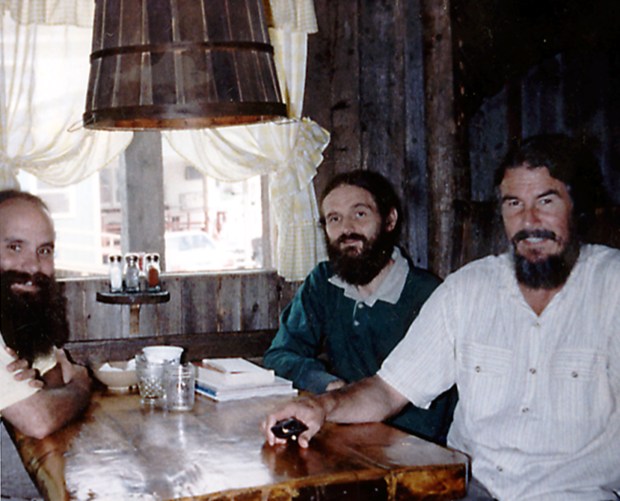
177, 64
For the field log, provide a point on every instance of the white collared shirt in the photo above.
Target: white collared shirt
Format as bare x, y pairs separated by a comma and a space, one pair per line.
539, 396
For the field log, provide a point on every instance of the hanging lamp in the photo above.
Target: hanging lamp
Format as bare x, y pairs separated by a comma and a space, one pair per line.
180, 64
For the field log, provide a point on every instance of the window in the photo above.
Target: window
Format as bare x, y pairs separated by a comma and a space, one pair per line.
209, 225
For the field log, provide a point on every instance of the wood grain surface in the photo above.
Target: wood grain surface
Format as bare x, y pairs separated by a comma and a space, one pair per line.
121, 451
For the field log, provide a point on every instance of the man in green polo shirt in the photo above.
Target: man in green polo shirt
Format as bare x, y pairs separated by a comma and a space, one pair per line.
352, 310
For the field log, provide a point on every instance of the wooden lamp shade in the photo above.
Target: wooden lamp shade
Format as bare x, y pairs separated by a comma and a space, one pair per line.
180, 64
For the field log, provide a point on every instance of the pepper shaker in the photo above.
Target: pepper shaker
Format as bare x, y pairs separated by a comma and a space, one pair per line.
132, 273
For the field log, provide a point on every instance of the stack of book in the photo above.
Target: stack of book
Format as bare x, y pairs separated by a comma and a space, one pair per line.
225, 379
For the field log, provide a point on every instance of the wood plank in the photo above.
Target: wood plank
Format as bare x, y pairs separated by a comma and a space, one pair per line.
217, 451
415, 181
203, 302
382, 88
441, 132
251, 344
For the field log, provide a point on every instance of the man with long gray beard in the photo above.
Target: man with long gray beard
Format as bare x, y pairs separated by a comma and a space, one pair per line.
352, 310
531, 338
33, 323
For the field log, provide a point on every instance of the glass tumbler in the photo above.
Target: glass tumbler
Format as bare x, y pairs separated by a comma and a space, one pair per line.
151, 380
180, 386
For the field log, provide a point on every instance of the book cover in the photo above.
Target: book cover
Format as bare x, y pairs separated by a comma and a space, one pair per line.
232, 372
279, 386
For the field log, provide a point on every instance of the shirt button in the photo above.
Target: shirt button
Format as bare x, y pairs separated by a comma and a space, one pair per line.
360, 305
477, 368
574, 374
355, 323
525, 410
532, 370
500, 469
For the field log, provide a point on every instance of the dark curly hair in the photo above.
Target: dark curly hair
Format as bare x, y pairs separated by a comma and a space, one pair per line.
567, 160
377, 185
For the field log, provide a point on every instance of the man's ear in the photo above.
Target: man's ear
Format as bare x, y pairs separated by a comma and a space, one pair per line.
390, 220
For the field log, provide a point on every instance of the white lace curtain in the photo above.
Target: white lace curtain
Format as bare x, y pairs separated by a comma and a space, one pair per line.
289, 151
45, 47
41, 112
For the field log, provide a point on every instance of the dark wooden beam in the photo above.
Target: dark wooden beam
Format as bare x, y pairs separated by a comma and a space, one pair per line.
441, 132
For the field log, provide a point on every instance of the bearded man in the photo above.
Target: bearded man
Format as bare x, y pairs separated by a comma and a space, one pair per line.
33, 323
530, 337
352, 310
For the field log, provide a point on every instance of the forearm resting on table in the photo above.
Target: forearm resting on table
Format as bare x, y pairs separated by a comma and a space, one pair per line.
52, 407
368, 400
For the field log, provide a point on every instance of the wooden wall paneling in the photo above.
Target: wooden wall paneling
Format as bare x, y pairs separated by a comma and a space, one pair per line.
415, 180
228, 302
441, 132
590, 88
199, 304
286, 292
209, 314
487, 130
319, 61
77, 313
382, 88
345, 86
250, 345
611, 170
332, 86
170, 315
89, 319
542, 99
258, 301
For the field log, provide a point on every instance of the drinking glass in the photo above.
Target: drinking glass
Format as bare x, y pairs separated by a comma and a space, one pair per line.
180, 386
151, 380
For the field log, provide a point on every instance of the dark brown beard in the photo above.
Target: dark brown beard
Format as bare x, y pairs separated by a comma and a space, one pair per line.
360, 269
32, 323
550, 272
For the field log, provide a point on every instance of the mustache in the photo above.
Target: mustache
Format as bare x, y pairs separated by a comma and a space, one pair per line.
540, 233
10, 277
350, 236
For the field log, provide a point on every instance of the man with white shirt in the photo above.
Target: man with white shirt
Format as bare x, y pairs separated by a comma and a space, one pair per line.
531, 338
33, 323
352, 310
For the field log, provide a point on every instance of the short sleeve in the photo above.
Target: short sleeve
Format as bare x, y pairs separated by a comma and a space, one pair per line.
12, 391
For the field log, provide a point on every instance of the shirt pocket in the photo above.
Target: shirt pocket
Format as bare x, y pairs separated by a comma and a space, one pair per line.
482, 379
580, 389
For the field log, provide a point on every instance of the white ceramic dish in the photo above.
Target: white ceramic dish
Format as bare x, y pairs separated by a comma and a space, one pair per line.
118, 375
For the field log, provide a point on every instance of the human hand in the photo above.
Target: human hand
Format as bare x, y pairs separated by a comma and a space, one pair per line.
72, 372
307, 410
22, 371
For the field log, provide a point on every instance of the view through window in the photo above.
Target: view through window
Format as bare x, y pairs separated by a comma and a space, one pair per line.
209, 224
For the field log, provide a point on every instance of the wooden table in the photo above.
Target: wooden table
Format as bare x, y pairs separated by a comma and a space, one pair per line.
122, 452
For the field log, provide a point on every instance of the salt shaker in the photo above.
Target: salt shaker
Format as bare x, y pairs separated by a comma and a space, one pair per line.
132, 273
115, 268
152, 271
